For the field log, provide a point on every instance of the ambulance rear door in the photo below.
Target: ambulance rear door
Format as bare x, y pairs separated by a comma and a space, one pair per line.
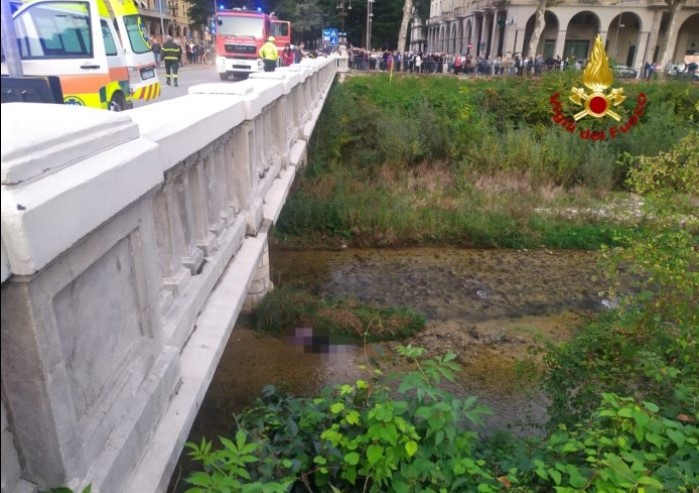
65, 38
140, 59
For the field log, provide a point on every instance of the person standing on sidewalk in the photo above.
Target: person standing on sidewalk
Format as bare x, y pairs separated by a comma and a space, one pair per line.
172, 56
156, 51
269, 54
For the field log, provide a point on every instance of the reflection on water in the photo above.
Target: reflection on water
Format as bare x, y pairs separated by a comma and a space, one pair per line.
488, 306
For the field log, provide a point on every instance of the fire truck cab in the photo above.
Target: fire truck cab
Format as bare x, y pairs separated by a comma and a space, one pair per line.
240, 34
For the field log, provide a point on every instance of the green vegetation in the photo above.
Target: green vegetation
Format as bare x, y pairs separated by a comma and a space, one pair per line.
479, 163
284, 309
406, 434
624, 412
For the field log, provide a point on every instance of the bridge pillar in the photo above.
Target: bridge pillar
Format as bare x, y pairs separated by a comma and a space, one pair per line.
261, 282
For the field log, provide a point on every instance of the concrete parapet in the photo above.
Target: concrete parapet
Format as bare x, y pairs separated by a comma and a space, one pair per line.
130, 243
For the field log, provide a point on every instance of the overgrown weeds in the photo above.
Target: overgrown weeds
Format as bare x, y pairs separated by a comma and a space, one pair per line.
286, 309
473, 163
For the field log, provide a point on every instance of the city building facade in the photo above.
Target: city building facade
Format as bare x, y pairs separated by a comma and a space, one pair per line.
170, 16
634, 31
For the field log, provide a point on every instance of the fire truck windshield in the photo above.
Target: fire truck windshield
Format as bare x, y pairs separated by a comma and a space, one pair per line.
240, 26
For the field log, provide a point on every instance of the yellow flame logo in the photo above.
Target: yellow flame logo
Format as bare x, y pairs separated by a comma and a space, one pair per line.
597, 77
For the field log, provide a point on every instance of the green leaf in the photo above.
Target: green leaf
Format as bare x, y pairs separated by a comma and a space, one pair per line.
576, 480
555, 475
650, 481
352, 417
374, 453
651, 406
640, 418
350, 474
337, 407
439, 437
352, 458
654, 439
625, 412
240, 438
677, 437
197, 479
411, 448
423, 412
570, 447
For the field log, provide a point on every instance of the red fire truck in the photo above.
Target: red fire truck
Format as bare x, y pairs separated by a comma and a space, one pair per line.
240, 34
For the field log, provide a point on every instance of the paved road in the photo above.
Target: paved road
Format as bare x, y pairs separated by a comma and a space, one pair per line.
189, 75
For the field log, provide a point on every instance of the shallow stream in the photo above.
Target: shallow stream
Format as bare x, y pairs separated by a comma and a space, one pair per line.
488, 306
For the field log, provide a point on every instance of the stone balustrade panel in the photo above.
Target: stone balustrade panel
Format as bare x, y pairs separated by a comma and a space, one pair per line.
111, 251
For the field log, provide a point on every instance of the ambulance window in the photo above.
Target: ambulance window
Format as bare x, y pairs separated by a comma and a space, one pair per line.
138, 38
109, 44
55, 30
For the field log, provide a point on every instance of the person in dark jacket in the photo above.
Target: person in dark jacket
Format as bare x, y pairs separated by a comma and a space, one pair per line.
172, 56
156, 51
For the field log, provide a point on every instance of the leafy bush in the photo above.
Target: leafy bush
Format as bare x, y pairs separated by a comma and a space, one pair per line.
647, 348
626, 446
404, 433
674, 171
365, 436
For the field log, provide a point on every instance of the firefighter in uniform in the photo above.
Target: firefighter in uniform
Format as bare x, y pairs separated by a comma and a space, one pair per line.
172, 56
268, 53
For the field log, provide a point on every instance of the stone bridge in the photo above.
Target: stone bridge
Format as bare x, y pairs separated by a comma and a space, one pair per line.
130, 244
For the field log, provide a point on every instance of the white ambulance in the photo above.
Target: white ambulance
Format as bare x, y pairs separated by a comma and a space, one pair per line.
103, 59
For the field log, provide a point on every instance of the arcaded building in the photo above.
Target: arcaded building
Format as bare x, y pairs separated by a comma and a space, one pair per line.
634, 31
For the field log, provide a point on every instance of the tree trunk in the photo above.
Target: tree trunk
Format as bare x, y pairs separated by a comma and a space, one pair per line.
403, 34
539, 25
675, 6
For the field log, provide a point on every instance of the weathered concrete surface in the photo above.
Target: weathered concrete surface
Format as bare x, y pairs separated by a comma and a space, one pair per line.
130, 244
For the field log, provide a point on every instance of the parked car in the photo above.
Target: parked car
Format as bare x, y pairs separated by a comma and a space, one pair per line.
625, 72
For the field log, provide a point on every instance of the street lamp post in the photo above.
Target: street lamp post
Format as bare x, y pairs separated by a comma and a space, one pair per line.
342, 13
369, 18
162, 22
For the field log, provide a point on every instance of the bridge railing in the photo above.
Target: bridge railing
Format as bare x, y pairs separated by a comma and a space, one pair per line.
130, 243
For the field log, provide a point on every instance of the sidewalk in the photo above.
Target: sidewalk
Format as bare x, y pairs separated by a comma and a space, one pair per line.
190, 67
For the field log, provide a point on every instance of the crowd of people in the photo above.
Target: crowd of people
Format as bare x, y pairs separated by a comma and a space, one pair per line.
431, 63
194, 52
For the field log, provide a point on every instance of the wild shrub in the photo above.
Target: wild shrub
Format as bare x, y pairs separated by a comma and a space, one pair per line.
676, 170
403, 432
647, 347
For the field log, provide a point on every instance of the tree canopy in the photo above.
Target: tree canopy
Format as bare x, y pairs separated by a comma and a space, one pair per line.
309, 17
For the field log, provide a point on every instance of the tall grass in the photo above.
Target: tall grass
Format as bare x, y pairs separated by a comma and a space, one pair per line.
470, 162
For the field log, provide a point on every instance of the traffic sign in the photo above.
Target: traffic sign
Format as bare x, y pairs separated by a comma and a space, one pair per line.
330, 35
